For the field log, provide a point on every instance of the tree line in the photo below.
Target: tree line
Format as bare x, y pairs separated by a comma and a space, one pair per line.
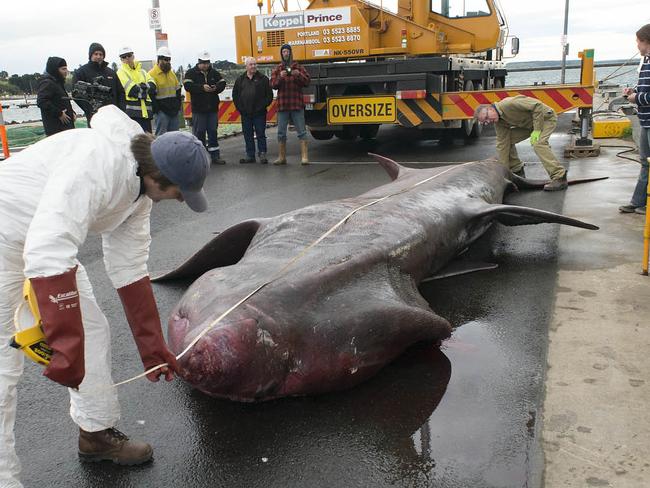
27, 84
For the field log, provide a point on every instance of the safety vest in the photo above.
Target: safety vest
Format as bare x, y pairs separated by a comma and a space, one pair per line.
129, 77
166, 83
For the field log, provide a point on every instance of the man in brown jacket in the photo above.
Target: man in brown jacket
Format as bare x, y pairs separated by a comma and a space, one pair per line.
519, 118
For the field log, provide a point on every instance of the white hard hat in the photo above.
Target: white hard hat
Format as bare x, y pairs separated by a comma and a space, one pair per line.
164, 51
204, 56
124, 50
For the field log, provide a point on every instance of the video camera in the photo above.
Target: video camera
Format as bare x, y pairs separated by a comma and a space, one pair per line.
95, 93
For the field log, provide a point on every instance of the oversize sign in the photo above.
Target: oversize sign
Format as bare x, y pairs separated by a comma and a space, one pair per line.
303, 19
361, 110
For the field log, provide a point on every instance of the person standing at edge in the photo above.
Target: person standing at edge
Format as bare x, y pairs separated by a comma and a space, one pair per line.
139, 88
204, 84
53, 100
167, 100
289, 78
252, 94
96, 69
516, 119
102, 180
641, 96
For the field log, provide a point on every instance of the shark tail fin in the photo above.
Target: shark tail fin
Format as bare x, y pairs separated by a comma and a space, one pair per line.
515, 215
530, 184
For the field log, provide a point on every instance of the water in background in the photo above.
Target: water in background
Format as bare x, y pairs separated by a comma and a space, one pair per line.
14, 114
626, 76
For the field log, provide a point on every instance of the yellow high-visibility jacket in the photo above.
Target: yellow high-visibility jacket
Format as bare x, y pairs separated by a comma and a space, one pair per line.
168, 91
138, 103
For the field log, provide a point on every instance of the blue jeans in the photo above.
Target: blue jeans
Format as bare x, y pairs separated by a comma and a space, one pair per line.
639, 197
255, 124
165, 123
298, 119
207, 122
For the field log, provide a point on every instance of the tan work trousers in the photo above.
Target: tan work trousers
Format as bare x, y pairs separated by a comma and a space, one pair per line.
507, 152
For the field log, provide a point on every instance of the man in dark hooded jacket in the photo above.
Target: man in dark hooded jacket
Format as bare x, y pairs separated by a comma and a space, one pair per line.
52, 99
96, 69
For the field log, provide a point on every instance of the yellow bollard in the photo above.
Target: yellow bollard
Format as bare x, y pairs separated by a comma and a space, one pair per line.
646, 230
3, 135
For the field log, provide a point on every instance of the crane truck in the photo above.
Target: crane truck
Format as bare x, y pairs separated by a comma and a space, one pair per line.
370, 66
427, 66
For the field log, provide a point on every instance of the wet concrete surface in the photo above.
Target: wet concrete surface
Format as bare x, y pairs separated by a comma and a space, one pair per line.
464, 416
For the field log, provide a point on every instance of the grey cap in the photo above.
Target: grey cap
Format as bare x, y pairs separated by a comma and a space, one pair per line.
181, 157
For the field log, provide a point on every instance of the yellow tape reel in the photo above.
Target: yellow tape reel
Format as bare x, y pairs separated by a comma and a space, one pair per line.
29, 337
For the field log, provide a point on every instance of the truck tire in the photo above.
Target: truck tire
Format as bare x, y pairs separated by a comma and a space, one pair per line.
368, 132
349, 133
321, 135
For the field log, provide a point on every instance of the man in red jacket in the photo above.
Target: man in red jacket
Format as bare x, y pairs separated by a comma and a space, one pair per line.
289, 78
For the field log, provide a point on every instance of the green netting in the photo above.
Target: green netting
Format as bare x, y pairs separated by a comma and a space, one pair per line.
24, 135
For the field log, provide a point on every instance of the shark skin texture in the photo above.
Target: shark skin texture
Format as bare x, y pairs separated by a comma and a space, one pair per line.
329, 310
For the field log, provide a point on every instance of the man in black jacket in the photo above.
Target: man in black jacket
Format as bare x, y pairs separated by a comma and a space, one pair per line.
204, 84
96, 69
52, 99
252, 94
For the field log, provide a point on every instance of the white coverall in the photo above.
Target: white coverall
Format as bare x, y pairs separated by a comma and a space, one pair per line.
51, 195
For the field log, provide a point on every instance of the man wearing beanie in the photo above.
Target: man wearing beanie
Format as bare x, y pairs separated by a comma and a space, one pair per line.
204, 83
56, 111
96, 69
102, 181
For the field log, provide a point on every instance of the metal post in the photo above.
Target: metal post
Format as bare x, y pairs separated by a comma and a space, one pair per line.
565, 45
646, 232
3, 136
156, 4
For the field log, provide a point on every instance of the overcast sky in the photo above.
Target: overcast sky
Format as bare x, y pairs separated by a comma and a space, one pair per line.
33, 30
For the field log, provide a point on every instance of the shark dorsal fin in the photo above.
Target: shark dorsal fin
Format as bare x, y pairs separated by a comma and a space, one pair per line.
392, 168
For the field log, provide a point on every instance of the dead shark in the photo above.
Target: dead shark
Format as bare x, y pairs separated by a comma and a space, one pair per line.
329, 293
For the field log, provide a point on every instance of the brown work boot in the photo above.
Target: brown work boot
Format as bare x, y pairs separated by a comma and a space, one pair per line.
282, 153
112, 445
557, 185
304, 156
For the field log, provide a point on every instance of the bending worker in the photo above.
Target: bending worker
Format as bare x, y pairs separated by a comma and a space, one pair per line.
516, 119
101, 180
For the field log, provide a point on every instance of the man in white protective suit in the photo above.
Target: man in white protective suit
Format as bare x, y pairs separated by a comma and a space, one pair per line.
101, 180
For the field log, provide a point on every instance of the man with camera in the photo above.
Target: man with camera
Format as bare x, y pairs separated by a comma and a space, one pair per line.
139, 88
289, 78
204, 84
96, 71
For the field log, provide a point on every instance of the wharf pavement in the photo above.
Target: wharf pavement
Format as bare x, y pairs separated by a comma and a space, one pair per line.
547, 376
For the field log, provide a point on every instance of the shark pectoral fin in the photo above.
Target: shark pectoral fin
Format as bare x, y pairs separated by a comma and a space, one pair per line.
460, 267
225, 249
515, 215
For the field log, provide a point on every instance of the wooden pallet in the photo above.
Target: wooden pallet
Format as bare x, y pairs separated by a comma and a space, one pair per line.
573, 151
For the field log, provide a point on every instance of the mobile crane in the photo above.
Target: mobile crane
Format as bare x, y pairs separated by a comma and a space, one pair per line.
426, 67
365, 61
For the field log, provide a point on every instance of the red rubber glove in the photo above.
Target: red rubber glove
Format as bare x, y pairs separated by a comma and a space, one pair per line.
58, 302
142, 314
